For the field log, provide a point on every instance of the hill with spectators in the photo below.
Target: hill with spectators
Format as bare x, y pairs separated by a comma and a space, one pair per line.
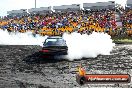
115, 21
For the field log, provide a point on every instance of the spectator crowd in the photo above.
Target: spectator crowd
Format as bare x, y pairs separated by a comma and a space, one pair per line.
56, 23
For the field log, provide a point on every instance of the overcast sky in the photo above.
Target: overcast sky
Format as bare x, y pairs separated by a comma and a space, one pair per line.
8, 5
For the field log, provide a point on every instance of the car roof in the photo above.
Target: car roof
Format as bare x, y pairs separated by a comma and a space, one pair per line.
54, 37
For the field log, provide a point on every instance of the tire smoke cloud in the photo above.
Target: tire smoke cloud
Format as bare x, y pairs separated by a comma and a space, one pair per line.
79, 46
16, 38
86, 46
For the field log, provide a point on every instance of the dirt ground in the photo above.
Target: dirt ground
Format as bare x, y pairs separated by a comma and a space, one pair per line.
20, 67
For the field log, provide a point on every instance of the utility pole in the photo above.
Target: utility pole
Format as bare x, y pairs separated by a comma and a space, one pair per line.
35, 3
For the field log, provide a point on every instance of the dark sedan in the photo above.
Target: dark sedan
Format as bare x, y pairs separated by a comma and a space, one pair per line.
54, 46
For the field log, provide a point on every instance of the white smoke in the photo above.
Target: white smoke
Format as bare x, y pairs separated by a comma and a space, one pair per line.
20, 38
80, 46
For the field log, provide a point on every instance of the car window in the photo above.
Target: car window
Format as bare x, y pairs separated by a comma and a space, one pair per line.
55, 42
51, 40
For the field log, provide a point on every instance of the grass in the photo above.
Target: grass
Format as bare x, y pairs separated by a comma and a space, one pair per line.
122, 40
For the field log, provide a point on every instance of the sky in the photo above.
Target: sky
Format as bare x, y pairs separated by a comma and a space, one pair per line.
8, 5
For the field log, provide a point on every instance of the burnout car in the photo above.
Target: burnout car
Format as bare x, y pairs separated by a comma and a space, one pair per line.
54, 46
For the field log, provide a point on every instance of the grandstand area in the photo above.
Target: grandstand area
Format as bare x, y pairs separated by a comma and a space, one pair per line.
100, 17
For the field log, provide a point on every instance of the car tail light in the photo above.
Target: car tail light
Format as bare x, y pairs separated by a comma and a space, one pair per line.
44, 50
